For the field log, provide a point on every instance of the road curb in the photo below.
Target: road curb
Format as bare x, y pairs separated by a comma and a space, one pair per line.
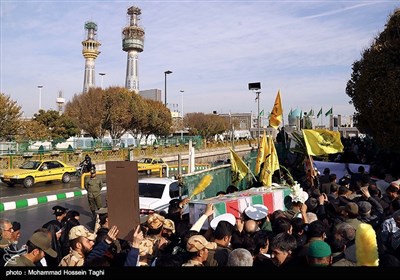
22, 203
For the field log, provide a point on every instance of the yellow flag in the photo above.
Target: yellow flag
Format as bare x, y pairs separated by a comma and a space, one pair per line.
322, 142
271, 163
238, 167
277, 112
261, 154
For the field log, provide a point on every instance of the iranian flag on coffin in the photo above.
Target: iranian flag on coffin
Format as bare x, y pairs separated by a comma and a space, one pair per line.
235, 203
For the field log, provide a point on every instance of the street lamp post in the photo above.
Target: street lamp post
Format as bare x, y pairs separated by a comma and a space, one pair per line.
40, 96
182, 91
102, 76
232, 131
165, 85
256, 87
258, 116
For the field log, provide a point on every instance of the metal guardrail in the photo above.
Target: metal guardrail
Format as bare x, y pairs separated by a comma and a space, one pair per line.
88, 174
168, 167
75, 157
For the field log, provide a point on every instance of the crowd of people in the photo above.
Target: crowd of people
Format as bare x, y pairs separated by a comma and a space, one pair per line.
326, 226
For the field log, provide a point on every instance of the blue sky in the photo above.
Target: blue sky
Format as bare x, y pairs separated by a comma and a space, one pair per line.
214, 49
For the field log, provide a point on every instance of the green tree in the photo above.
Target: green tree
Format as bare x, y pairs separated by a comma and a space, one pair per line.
87, 110
10, 118
117, 116
117, 111
206, 125
59, 126
374, 87
137, 111
158, 119
31, 129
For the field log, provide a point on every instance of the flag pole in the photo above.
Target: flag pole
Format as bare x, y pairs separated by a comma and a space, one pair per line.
310, 160
254, 177
312, 175
284, 145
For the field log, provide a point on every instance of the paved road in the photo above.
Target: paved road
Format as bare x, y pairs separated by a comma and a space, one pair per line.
19, 190
33, 217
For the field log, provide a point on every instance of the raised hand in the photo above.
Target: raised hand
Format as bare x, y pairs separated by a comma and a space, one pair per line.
112, 234
137, 237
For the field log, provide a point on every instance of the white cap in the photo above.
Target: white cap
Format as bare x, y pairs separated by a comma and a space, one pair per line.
256, 211
228, 217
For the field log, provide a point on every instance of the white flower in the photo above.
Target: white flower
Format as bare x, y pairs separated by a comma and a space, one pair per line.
298, 195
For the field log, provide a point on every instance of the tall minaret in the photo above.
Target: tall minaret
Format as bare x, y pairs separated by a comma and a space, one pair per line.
60, 102
132, 43
90, 52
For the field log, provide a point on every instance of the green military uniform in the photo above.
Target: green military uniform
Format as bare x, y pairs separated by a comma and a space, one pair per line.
93, 187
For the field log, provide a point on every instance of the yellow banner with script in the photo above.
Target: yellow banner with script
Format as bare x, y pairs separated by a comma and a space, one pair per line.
322, 142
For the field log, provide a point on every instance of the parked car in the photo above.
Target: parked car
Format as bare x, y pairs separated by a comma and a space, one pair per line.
156, 193
149, 165
35, 171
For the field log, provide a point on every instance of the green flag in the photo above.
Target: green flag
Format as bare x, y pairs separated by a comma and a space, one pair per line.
319, 113
330, 111
310, 113
262, 113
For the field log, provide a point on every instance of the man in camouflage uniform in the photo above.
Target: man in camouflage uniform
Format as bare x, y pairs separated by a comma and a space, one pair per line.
154, 226
81, 241
197, 247
93, 187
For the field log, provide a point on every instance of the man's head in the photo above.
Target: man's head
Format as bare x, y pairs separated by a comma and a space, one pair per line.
228, 217
155, 223
282, 245
81, 239
344, 191
197, 247
38, 245
145, 248
42, 241
16, 234
392, 191
364, 208
344, 181
319, 253
251, 226
168, 228
240, 257
59, 210
7, 229
174, 207
103, 216
352, 209
256, 212
3, 242
92, 172
346, 231
198, 242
